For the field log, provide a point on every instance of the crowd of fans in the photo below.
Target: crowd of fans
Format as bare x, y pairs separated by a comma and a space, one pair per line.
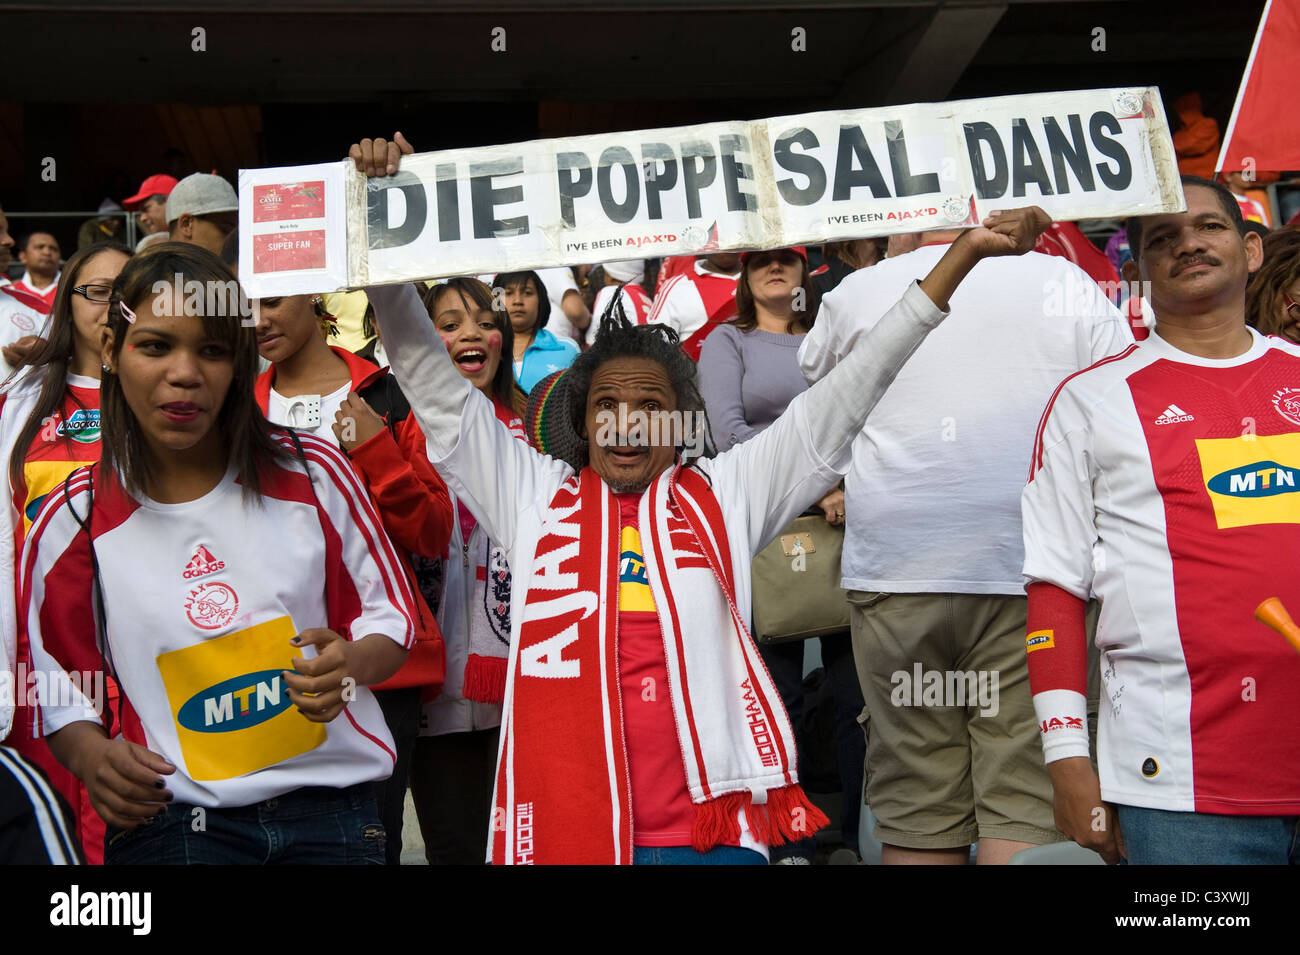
217, 490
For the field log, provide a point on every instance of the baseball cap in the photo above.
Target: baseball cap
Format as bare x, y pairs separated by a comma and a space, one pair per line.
199, 195
159, 185
627, 270
798, 250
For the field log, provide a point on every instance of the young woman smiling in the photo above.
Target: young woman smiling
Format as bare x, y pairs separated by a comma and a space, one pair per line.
451, 773
226, 573
316, 387
49, 426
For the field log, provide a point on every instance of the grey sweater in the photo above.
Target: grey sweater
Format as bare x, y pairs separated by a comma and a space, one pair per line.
748, 378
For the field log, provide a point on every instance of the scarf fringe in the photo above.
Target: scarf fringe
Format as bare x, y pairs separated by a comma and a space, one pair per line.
485, 679
787, 816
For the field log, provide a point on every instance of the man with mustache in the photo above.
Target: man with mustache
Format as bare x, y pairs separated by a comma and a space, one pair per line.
1166, 480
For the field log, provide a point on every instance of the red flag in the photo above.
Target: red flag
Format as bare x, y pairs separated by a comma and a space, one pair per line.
1260, 134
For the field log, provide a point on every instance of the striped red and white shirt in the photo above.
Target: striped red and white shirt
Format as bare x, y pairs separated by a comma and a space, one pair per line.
1169, 485
694, 304
636, 306
46, 294
201, 599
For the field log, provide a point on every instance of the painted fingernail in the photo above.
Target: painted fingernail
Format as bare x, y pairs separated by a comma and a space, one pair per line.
158, 784
170, 796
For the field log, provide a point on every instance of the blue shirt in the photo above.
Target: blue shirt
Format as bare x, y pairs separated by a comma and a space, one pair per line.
544, 355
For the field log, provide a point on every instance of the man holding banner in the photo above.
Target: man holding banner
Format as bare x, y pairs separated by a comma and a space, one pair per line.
656, 700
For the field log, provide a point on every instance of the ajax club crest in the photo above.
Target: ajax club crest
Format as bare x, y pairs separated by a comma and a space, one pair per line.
211, 606
1287, 403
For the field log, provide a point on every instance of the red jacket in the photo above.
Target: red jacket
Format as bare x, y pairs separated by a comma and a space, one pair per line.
412, 502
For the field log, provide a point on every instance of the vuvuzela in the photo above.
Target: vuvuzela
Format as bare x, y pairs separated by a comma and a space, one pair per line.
1273, 614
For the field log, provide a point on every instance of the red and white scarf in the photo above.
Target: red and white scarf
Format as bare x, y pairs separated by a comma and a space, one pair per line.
563, 791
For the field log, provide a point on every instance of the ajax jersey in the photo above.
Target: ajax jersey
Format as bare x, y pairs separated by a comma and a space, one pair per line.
201, 600
1169, 485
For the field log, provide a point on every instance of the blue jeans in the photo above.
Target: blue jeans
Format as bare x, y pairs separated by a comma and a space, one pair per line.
315, 825
1160, 837
685, 855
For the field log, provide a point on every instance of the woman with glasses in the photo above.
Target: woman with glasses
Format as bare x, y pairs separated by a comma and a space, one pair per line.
49, 426
1273, 294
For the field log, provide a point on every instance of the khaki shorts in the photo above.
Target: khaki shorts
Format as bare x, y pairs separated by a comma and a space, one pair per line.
953, 749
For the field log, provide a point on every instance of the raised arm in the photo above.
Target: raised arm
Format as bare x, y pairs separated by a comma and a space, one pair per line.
492, 472
790, 465
495, 475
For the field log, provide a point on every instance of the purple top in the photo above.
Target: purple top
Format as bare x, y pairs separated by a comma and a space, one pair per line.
747, 380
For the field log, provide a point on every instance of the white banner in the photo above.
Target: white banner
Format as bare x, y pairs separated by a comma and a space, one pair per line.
792, 180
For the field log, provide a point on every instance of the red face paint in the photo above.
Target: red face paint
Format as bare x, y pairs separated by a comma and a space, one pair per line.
494, 341
447, 340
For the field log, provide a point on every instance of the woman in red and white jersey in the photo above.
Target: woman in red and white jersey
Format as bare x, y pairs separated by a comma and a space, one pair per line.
321, 389
49, 427
455, 756
238, 584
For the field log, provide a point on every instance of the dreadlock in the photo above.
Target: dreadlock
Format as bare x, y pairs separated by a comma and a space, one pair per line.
619, 337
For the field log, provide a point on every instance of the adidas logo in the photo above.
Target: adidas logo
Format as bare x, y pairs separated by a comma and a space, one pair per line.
1173, 414
202, 563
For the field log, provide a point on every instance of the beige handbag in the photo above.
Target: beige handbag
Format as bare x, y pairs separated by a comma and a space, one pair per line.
796, 583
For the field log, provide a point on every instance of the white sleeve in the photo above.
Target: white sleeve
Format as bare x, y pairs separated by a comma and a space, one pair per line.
563, 280
559, 282
378, 577
57, 608
670, 305
1109, 336
1057, 509
796, 459
1102, 328
493, 473
821, 349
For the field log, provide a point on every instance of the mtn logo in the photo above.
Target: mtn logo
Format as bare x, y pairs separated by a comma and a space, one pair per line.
1261, 479
202, 564
1173, 414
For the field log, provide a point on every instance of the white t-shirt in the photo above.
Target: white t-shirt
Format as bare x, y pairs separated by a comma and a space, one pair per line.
201, 599
559, 283
933, 497
311, 413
